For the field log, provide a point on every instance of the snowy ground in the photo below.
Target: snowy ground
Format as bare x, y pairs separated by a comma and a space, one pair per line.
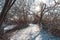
32, 33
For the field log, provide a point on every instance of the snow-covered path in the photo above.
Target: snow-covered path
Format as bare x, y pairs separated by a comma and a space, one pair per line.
32, 32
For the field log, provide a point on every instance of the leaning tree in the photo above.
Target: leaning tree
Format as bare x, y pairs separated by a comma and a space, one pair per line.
8, 4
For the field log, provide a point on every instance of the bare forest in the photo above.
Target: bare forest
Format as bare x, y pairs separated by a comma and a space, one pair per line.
29, 19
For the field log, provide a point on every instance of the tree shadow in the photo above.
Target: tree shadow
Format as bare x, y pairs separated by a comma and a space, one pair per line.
44, 35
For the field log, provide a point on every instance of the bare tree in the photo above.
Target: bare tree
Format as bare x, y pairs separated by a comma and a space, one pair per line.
8, 4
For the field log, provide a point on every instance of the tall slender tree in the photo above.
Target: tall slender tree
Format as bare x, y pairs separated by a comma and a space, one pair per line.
8, 4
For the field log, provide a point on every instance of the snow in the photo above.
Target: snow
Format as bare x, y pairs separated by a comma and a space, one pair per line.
9, 27
33, 32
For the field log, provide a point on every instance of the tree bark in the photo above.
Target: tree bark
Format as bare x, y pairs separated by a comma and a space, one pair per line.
8, 4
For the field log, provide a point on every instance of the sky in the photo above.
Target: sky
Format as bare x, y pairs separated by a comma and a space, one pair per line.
1, 4
35, 6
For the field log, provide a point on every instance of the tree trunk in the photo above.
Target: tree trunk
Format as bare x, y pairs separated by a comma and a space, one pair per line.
7, 6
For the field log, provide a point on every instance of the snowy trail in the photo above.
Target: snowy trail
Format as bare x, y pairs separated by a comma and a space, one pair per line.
32, 33
26, 34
